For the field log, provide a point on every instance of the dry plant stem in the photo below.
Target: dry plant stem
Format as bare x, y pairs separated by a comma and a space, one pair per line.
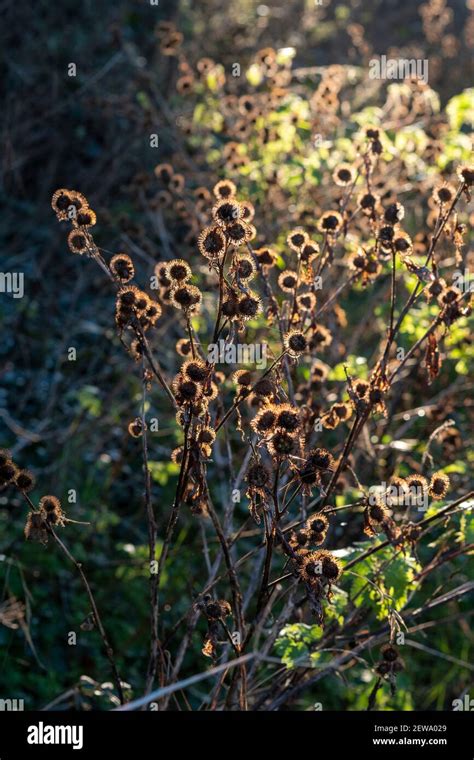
152, 533
343, 458
173, 518
156, 369
221, 294
108, 649
190, 334
429, 256
237, 603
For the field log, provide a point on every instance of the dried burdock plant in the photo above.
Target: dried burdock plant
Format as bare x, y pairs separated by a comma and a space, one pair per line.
281, 341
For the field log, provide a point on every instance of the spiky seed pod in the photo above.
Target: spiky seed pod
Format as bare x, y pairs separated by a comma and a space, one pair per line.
226, 212
266, 257
127, 296
368, 202
394, 213
331, 567
320, 459
396, 492
177, 455
238, 232
8, 472
153, 312
344, 175
186, 390
264, 387
186, 297
466, 175
309, 251
196, 370
330, 222
135, 427
60, 203
449, 296
177, 182
210, 392
248, 211
78, 241
444, 194
183, 347
56, 517
35, 527
217, 610
142, 301
361, 388
297, 239
164, 172
417, 488
435, 289
389, 652
299, 539
386, 235
85, 218
212, 242
282, 444
178, 271
287, 417
264, 421
318, 523
24, 481
377, 513
242, 377
258, 476
122, 267
342, 411
402, 243
295, 343
244, 268
383, 668
320, 337
206, 436
160, 273
224, 189
249, 306
321, 564
288, 281
76, 203
306, 301
439, 486
50, 507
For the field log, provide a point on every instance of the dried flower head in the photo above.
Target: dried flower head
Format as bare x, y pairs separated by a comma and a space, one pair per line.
122, 267
24, 481
186, 297
297, 239
135, 427
439, 486
178, 271
330, 222
344, 175
224, 189
295, 343
227, 211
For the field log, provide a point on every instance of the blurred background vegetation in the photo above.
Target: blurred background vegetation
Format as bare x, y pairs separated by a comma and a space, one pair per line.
67, 420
